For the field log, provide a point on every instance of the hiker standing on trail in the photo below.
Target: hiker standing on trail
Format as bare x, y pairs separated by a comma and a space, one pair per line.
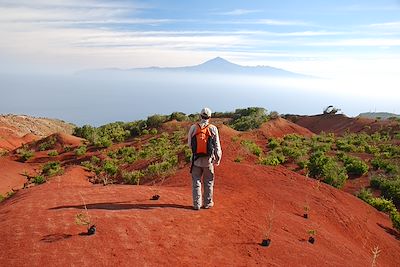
203, 139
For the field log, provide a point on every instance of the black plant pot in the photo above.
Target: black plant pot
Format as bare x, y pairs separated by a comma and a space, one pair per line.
305, 215
155, 197
311, 240
266, 242
91, 230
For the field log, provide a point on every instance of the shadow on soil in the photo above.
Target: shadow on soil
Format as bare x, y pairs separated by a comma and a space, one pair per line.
390, 231
123, 206
55, 237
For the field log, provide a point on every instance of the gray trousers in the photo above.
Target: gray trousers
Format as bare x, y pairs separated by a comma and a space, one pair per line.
208, 176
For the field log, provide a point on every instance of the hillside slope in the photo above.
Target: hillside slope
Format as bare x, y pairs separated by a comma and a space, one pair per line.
339, 124
38, 224
16, 130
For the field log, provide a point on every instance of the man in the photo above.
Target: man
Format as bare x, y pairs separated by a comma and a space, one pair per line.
203, 139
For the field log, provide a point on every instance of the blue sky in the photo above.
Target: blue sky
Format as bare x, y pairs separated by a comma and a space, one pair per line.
72, 34
355, 44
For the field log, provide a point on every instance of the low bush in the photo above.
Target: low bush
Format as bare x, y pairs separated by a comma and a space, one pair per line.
40, 179
132, 177
81, 151
274, 143
381, 164
252, 147
49, 144
382, 204
102, 142
324, 167
156, 120
179, 116
110, 167
52, 168
390, 188
25, 154
53, 153
353, 165
273, 159
249, 118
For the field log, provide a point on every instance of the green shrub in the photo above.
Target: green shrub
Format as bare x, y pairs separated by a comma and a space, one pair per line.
51, 169
252, 147
86, 131
390, 189
274, 143
153, 131
381, 164
395, 217
1, 198
53, 153
81, 151
110, 167
156, 120
67, 148
39, 179
87, 164
95, 160
25, 154
293, 152
179, 116
382, 204
323, 167
371, 149
145, 131
188, 154
132, 177
273, 159
48, 144
103, 142
249, 118
354, 165
302, 164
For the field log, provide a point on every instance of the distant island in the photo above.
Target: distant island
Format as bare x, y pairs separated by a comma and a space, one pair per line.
379, 115
216, 65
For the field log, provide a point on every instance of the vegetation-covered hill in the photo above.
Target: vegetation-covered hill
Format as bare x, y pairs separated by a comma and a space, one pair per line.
273, 172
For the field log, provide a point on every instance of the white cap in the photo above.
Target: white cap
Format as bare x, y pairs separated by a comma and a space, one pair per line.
205, 112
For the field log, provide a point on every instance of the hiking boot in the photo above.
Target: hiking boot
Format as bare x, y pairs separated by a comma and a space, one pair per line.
196, 208
209, 205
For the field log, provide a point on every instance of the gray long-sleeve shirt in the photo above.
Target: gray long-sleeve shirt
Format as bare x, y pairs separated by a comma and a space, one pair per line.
216, 157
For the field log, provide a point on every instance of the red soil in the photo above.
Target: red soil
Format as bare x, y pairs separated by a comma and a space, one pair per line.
62, 140
9, 140
11, 174
340, 123
37, 224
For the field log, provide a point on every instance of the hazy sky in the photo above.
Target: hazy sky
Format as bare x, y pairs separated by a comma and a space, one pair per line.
356, 44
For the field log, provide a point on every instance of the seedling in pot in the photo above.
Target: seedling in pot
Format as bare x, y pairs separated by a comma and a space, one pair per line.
306, 210
155, 197
84, 219
312, 234
270, 219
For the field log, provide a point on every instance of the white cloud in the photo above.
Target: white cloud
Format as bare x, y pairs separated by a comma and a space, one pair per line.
393, 25
238, 12
377, 42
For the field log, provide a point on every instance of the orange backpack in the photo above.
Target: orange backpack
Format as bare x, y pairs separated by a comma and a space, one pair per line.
202, 142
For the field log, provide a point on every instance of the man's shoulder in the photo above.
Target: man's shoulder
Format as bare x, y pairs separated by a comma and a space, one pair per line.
213, 128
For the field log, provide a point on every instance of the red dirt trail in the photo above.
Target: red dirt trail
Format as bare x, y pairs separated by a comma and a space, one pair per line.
37, 225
